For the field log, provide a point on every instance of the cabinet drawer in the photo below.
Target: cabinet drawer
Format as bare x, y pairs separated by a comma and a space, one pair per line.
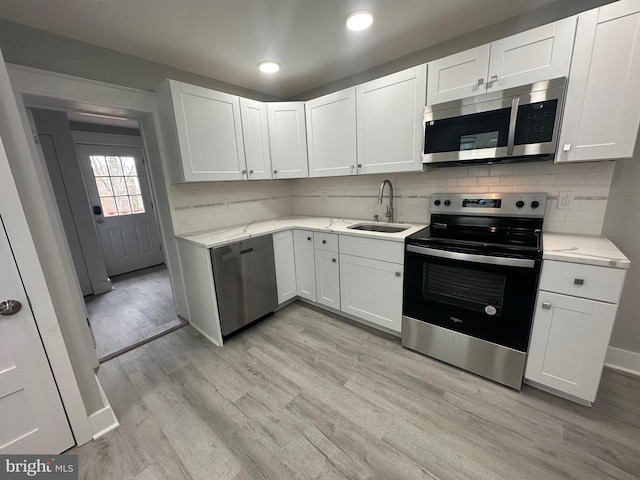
383, 250
586, 281
326, 241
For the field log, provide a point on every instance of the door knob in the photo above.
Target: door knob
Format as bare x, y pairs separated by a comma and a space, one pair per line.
10, 307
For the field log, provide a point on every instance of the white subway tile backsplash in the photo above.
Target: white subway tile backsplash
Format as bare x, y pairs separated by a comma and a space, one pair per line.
201, 206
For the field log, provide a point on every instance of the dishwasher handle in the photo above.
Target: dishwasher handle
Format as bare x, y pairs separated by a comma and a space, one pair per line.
236, 254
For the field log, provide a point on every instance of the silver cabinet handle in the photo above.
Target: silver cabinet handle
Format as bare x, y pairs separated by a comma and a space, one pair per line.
546, 305
324, 242
480, 81
359, 165
250, 172
309, 238
334, 260
578, 281
244, 172
494, 78
10, 307
398, 274
566, 147
275, 171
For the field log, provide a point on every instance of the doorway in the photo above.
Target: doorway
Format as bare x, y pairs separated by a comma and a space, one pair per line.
98, 173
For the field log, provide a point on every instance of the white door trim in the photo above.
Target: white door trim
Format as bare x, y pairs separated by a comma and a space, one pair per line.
37, 88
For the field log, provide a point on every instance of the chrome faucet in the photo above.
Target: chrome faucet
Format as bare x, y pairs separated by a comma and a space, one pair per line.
389, 213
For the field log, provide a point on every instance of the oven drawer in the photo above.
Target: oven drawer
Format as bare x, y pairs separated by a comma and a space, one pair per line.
326, 241
579, 280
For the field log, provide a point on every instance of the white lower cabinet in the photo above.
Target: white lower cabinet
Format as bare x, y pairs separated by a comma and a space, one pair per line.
570, 334
372, 290
283, 252
305, 264
327, 278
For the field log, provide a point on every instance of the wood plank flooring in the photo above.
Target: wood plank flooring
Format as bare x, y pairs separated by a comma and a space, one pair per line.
139, 306
309, 395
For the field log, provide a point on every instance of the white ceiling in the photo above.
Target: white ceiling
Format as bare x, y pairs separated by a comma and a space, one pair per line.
225, 39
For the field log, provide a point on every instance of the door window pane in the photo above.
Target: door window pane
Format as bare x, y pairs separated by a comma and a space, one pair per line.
118, 185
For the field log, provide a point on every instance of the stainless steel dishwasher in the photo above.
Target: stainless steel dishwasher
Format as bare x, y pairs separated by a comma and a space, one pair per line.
245, 278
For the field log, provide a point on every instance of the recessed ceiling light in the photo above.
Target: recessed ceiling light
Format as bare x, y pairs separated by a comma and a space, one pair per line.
359, 20
269, 67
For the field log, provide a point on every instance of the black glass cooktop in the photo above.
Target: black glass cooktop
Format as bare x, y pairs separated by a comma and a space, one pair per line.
509, 236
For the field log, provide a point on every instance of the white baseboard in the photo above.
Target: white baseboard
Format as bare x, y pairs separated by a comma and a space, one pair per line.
623, 360
104, 420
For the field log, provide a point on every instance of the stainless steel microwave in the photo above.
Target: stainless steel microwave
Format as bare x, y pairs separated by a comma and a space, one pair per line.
517, 124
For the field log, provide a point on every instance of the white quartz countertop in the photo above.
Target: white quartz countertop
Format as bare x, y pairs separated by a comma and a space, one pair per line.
216, 238
587, 249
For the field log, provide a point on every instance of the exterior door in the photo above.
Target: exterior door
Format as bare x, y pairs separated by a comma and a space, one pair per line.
120, 197
31, 413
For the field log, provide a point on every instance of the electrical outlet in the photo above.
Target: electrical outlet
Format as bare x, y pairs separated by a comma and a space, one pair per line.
227, 204
565, 200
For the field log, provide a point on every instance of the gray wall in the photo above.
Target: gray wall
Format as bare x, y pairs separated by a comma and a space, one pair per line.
541, 16
35, 48
622, 225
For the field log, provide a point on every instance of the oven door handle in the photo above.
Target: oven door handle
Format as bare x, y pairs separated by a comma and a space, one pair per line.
470, 257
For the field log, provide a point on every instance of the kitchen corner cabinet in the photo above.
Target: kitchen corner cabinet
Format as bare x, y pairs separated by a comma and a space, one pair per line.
255, 133
575, 311
208, 130
283, 252
531, 56
602, 109
303, 245
389, 122
288, 139
331, 134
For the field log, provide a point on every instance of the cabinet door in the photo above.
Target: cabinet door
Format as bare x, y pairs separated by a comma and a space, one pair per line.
602, 109
285, 265
305, 264
255, 132
331, 134
327, 279
372, 290
389, 122
288, 138
457, 76
209, 133
539, 54
568, 343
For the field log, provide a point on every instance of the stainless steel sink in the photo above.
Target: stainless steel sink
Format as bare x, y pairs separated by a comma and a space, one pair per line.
379, 227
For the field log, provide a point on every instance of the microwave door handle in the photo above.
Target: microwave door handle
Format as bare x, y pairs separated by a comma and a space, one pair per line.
470, 257
511, 139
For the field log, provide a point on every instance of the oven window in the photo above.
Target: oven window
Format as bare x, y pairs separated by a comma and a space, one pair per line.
464, 287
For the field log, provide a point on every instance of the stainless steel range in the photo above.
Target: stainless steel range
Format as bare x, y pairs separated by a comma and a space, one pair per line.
470, 282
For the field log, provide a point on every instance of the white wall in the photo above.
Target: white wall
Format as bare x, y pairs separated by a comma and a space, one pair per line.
356, 196
622, 225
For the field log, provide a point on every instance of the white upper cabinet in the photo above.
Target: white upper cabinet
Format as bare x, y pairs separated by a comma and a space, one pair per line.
389, 122
602, 110
331, 134
256, 139
539, 54
209, 134
288, 139
458, 76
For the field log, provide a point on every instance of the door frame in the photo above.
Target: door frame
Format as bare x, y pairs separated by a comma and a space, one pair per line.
40, 89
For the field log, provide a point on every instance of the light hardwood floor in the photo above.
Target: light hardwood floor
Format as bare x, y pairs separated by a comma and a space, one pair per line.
139, 306
309, 395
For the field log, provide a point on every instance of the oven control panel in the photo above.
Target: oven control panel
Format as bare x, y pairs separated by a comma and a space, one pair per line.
511, 204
